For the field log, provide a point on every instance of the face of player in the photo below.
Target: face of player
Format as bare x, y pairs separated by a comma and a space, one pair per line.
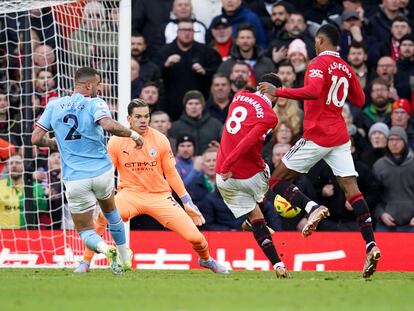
209, 163
161, 122
15, 167
194, 108
284, 134
221, 33
279, 15
378, 140
139, 119
150, 95
287, 75
220, 88
395, 145
399, 117
357, 57
138, 46
407, 49
185, 34
182, 8
245, 40
399, 29
186, 150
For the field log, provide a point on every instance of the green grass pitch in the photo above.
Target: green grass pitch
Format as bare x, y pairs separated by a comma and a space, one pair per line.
51, 289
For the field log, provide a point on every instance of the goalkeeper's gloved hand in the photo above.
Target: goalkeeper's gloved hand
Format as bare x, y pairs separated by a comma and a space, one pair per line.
192, 210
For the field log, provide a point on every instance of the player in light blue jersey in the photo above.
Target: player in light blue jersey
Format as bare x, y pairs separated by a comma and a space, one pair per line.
78, 122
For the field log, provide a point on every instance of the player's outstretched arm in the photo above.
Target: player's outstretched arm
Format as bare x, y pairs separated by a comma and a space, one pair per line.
117, 129
39, 138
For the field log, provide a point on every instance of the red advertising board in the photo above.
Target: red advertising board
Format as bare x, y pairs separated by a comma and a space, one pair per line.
238, 250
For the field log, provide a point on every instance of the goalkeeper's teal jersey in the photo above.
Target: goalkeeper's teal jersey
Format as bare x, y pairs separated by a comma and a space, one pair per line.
80, 139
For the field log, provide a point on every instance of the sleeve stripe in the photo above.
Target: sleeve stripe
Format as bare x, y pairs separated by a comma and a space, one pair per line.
102, 117
42, 127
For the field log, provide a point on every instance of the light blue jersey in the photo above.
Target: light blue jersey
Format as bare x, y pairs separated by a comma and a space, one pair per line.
81, 141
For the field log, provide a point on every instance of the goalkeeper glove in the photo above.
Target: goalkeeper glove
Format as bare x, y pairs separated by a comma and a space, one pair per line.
192, 210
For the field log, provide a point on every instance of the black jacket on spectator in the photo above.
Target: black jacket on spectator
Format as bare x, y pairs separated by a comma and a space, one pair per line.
370, 155
203, 130
405, 69
217, 214
216, 112
381, 26
180, 77
148, 70
369, 41
147, 18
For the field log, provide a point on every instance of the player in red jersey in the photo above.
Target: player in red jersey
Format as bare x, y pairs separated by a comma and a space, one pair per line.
242, 175
329, 81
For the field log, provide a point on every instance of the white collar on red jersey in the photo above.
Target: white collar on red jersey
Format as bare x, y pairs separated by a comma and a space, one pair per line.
267, 100
332, 53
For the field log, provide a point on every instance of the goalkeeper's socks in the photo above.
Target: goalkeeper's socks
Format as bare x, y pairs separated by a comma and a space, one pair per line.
364, 219
292, 194
93, 241
264, 239
117, 230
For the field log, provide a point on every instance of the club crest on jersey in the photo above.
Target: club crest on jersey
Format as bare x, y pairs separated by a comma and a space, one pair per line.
315, 73
153, 152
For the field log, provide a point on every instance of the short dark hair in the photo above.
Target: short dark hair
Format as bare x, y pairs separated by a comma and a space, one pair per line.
357, 45
85, 73
136, 103
239, 62
272, 78
220, 75
159, 113
330, 32
400, 18
287, 6
151, 83
245, 26
286, 63
380, 81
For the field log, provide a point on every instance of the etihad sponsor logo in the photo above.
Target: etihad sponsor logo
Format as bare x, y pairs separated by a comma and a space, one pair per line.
315, 73
141, 164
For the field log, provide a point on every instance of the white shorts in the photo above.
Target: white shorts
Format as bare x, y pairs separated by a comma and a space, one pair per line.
305, 154
242, 195
83, 193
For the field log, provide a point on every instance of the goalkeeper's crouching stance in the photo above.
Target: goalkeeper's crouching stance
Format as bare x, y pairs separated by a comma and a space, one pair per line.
143, 189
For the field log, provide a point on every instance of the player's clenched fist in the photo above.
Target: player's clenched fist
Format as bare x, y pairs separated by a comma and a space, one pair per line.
192, 210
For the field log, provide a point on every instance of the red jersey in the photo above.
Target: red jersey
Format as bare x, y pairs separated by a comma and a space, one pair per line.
329, 81
249, 119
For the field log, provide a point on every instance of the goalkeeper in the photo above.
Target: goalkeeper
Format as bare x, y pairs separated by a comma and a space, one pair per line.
143, 189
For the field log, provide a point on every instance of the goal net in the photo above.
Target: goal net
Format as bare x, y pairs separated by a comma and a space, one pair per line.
42, 44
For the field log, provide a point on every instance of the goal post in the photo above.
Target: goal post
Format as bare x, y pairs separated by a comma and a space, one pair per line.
42, 44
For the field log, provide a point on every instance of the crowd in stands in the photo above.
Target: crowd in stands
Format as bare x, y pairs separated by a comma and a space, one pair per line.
188, 59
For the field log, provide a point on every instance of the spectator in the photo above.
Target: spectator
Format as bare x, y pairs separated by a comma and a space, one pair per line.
185, 155
357, 57
193, 62
236, 14
400, 116
287, 74
400, 26
202, 179
219, 101
12, 200
10, 125
405, 67
395, 172
386, 70
45, 87
136, 81
353, 30
205, 11
239, 77
161, 122
182, 9
222, 37
378, 110
295, 28
280, 12
44, 59
381, 22
298, 57
148, 16
321, 12
278, 151
245, 49
148, 70
377, 136
197, 121
150, 92
288, 111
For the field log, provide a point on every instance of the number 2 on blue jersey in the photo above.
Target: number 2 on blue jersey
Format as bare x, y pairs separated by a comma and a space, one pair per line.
72, 134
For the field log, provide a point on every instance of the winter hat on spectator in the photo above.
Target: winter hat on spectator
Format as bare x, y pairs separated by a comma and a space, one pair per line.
349, 13
403, 104
220, 21
399, 132
184, 138
297, 45
379, 127
194, 94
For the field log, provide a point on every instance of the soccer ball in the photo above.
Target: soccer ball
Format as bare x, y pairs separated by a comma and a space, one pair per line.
284, 209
